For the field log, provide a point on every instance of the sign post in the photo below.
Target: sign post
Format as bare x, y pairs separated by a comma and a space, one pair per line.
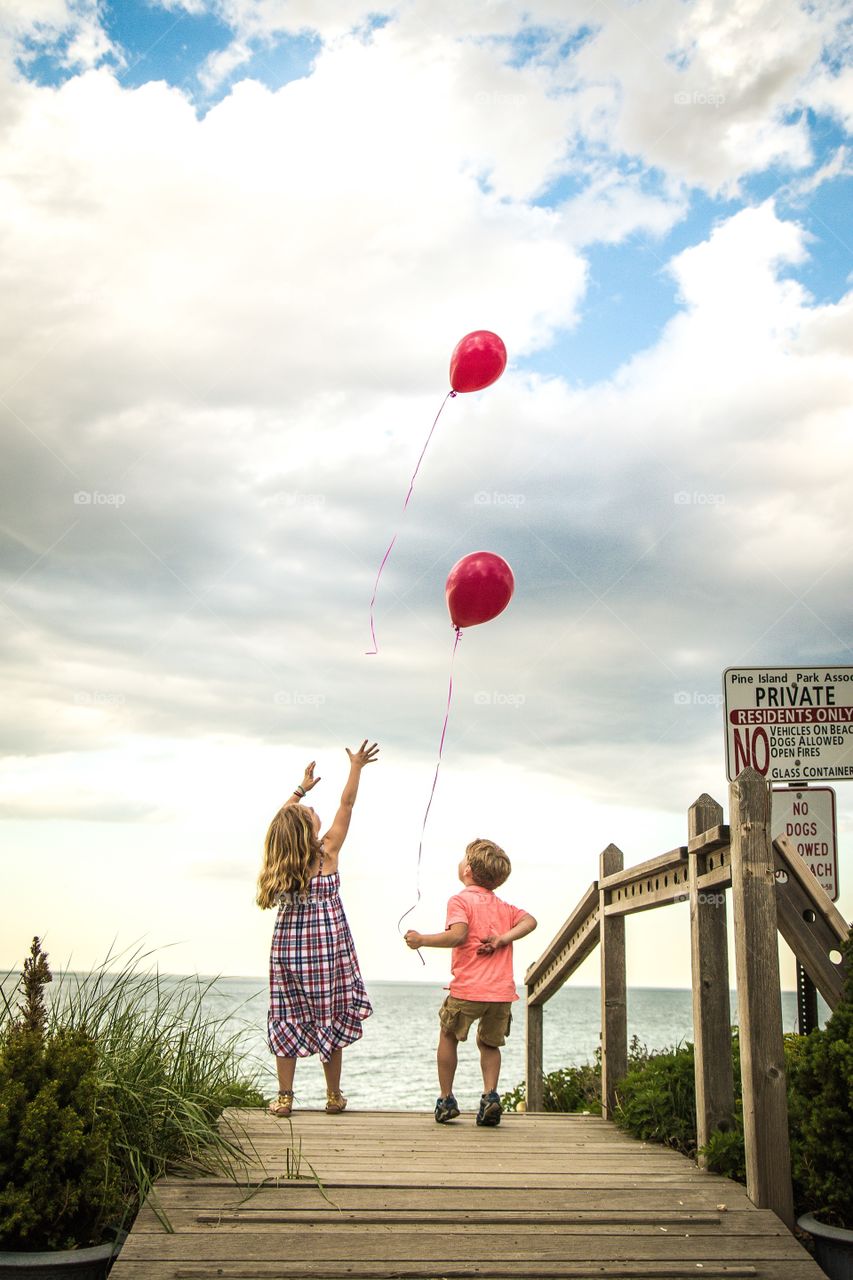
794, 725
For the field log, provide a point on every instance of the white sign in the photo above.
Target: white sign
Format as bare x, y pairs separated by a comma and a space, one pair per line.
792, 724
807, 818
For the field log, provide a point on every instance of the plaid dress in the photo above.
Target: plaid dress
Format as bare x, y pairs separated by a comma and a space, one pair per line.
317, 997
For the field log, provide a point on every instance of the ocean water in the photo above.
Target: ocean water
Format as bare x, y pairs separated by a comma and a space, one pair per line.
393, 1066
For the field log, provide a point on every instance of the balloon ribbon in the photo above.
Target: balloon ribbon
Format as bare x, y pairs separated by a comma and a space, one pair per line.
432, 792
375, 649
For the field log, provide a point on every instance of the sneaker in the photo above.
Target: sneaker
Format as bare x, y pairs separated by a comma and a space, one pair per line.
446, 1109
490, 1110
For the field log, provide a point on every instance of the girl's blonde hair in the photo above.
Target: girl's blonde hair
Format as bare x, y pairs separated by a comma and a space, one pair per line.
289, 849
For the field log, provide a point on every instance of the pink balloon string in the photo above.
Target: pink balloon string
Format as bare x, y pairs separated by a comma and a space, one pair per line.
372, 652
432, 792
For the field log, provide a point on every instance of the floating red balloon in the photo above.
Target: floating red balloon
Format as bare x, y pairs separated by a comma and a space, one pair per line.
478, 360
479, 587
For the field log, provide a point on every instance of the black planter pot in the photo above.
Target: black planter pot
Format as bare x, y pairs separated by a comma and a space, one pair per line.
833, 1247
56, 1264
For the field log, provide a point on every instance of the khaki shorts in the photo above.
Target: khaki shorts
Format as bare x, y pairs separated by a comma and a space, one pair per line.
494, 1016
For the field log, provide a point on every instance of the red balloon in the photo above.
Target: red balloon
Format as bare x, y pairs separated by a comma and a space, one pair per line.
479, 587
478, 360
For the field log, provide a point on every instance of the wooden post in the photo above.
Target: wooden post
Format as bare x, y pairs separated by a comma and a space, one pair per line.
715, 1097
765, 1108
614, 1008
534, 1057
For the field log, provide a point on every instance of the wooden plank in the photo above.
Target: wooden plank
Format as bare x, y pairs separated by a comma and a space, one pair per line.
719, 878
675, 890
765, 1108
653, 883
153, 1269
160, 1270
614, 1007
709, 958
580, 937
669, 1219
533, 1048
710, 840
809, 921
582, 911
399, 1246
454, 1221
794, 865
702, 1194
653, 868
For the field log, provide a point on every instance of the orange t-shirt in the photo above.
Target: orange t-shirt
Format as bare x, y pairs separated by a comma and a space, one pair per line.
482, 977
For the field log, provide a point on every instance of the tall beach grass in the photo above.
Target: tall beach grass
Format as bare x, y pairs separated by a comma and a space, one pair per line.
166, 1067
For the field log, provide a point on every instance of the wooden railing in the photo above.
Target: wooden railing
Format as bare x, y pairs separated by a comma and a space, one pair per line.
771, 889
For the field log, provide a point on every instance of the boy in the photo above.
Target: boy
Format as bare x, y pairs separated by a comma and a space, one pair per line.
481, 929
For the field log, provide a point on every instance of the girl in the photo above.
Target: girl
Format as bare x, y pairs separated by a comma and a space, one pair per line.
317, 997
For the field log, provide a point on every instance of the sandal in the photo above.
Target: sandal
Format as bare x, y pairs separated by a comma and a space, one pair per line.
335, 1103
283, 1105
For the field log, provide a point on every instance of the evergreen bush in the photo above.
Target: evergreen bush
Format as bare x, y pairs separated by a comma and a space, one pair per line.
821, 1114
657, 1100
119, 1081
576, 1088
59, 1186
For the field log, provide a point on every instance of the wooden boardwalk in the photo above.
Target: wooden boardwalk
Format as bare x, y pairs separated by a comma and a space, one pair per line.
541, 1196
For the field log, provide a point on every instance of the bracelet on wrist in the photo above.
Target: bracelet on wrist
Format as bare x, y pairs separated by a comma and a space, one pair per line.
299, 791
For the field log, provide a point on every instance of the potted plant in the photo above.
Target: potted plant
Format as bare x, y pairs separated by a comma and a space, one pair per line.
60, 1192
822, 1135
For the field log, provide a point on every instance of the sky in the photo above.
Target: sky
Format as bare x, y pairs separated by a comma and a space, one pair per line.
240, 240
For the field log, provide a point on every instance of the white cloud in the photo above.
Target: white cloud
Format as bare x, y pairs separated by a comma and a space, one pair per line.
71, 27
222, 63
707, 93
241, 326
839, 165
270, 17
279, 232
614, 206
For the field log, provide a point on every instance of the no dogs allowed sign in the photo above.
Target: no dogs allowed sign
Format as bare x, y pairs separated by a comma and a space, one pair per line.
792, 724
807, 817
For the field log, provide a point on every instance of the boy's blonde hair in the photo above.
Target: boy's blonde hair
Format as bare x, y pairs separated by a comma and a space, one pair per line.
289, 849
489, 865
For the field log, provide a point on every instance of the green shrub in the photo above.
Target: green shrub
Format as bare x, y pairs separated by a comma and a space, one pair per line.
821, 1114
657, 1100
60, 1185
120, 1080
568, 1089
725, 1152
576, 1088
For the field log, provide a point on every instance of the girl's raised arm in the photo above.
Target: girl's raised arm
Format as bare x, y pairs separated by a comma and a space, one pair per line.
308, 781
335, 836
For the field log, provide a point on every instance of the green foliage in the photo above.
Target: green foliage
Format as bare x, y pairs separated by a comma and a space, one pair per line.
725, 1152
569, 1089
119, 1081
657, 1099
60, 1185
821, 1114
656, 1102
32, 1013
576, 1088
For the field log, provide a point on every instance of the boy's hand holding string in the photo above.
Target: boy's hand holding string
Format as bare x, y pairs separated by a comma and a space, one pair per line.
452, 937
457, 934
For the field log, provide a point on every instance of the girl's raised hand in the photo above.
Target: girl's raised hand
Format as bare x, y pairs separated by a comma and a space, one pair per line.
309, 780
364, 755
